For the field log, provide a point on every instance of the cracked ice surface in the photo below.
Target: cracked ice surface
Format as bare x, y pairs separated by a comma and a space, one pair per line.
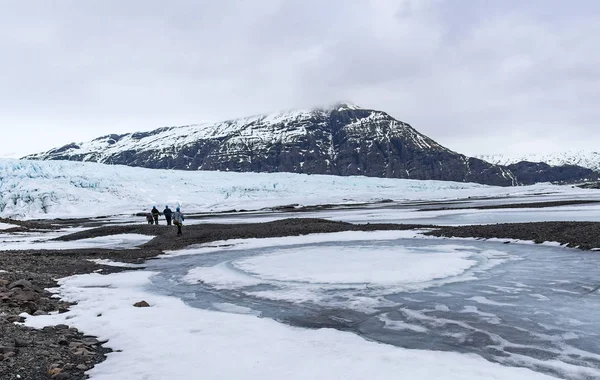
518, 305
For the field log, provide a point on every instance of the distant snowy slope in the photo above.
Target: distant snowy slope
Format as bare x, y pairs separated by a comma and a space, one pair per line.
49, 189
586, 159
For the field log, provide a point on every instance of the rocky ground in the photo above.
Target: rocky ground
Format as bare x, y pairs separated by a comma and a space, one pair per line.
582, 235
56, 352
60, 352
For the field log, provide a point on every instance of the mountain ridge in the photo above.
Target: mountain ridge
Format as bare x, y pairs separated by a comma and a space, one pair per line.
343, 139
584, 158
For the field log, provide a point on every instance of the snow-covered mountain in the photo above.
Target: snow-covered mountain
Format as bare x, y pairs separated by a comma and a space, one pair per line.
586, 159
341, 140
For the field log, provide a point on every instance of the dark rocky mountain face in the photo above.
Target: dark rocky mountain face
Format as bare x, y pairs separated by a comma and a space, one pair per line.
534, 172
343, 140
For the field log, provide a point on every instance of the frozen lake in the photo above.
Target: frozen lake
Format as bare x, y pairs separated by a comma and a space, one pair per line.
456, 212
442, 304
514, 304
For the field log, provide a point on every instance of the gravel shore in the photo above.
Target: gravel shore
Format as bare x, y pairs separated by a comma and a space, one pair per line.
582, 235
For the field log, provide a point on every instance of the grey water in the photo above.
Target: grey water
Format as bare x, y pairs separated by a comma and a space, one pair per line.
540, 309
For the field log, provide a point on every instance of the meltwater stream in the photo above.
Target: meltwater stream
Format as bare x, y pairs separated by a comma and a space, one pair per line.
515, 304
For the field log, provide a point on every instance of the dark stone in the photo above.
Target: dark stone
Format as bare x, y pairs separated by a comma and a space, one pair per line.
23, 284
141, 304
90, 341
15, 318
21, 343
533, 172
61, 376
75, 344
81, 351
25, 295
6, 349
9, 354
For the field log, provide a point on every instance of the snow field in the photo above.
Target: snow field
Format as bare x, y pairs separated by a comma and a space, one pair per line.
120, 241
6, 226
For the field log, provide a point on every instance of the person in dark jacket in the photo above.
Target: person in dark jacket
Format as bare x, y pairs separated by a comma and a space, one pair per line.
155, 214
149, 218
178, 219
168, 213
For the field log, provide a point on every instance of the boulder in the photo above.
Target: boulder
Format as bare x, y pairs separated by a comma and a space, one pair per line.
23, 284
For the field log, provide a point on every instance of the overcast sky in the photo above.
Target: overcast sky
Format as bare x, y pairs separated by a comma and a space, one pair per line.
503, 76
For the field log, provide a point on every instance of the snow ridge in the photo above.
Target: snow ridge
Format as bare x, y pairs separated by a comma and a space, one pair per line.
586, 159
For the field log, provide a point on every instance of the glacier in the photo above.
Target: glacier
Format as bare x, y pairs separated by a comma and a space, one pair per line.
64, 189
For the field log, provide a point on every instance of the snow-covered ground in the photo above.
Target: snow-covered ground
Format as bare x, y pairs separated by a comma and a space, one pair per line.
35, 241
6, 226
52, 189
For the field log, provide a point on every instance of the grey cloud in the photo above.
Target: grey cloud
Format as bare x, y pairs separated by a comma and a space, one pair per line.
477, 76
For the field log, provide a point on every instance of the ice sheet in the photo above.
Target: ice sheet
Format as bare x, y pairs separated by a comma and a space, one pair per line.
357, 264
247, 244
361, 267
170, 340
497, 308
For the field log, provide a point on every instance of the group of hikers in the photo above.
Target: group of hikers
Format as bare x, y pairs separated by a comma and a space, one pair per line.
176, 217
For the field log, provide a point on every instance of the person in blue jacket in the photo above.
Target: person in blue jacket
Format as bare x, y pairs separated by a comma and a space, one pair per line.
168, 214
